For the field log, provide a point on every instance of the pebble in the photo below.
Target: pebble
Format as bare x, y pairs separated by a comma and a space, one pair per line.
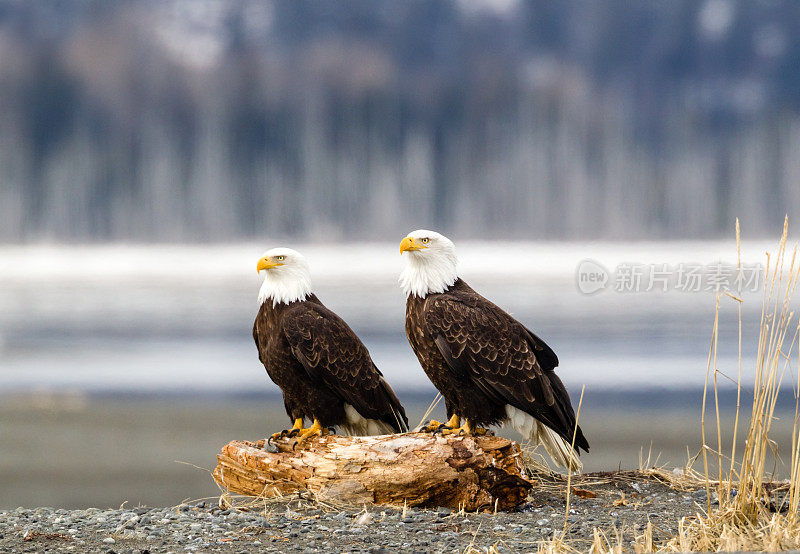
292, 526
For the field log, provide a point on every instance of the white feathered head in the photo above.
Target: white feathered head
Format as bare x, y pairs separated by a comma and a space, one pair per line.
432, 263
287, 277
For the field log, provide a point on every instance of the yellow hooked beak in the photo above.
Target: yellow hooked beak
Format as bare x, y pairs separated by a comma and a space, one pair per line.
409, 244
266, 263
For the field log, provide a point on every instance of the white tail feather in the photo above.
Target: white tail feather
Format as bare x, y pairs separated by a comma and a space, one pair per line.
358, 425
532, 429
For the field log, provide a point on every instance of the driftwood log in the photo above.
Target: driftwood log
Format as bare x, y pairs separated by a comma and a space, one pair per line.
415, 469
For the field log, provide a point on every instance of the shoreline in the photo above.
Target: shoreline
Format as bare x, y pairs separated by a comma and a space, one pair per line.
626, 501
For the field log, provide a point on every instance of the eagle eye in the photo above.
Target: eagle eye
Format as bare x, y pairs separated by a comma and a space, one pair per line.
280, 258
425, 240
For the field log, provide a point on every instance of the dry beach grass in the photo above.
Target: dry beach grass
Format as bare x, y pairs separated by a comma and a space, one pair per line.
747, 517
744, 510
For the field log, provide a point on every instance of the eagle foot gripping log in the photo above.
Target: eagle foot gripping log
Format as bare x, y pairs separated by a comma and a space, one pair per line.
453, 427
302, 436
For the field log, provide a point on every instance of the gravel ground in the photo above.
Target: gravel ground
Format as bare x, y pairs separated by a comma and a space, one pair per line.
625, 500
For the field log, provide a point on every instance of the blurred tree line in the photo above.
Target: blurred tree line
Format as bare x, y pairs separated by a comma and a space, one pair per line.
189, 120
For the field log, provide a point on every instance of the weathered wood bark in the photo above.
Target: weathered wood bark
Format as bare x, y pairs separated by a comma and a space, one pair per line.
418, 469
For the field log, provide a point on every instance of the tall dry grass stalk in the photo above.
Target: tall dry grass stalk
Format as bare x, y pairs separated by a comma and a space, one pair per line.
772, 360
569, 470
743, 520
431, 408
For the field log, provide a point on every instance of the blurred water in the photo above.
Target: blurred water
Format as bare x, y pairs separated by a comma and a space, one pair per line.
155, 319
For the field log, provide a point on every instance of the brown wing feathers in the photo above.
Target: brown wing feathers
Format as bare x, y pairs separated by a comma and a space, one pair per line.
330, 351
502, 358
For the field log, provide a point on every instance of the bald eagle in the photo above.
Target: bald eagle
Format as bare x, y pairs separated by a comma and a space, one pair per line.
324, 370
488, 366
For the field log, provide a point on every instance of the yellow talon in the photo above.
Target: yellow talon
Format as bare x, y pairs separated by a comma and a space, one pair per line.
296, 428
466, 430
316, 430
447, 428
434, 426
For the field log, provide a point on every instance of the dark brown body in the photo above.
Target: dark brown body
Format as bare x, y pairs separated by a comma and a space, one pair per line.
482, 359
320, 365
